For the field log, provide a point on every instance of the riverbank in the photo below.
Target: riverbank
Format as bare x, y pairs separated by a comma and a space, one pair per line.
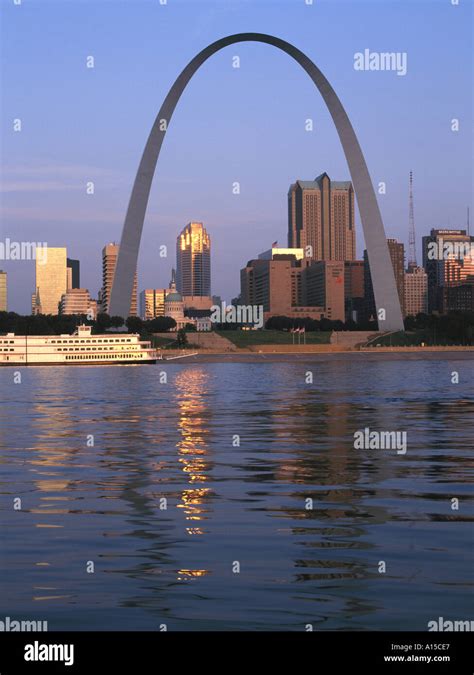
274, 353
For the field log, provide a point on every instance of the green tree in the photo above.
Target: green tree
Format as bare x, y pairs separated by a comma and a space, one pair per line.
134, 324
103, 322
161, 324
116, 321
181, 338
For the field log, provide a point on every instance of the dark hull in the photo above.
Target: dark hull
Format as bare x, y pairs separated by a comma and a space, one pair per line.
85, 363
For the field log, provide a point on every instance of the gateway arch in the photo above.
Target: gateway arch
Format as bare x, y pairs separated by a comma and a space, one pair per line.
383, 278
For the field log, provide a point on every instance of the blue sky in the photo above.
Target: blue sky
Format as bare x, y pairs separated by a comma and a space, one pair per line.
245, 124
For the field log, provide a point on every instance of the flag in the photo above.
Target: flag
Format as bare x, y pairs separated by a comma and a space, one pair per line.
275, 244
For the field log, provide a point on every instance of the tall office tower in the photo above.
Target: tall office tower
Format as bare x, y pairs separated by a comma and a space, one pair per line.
321, 216
73, 273
439, 247
458, 278
458, 270
193, 261
109, 262
397, 255
416, 291
3, 291
152, 303
411, 227
354, 272
51, 278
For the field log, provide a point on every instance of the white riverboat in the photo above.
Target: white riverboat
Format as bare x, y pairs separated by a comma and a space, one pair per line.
82, 348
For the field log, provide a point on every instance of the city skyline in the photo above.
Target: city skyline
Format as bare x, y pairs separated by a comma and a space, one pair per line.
236, 328
265, 217
449, 264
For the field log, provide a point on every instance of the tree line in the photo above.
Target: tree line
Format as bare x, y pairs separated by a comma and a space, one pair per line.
50, 324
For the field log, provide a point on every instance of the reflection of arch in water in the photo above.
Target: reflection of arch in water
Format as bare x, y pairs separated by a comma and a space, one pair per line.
383, 278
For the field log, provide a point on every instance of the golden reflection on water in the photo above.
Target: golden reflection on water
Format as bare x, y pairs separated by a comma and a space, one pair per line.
187, 575
193, 450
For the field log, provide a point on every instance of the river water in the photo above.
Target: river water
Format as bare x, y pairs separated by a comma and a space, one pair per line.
230, 496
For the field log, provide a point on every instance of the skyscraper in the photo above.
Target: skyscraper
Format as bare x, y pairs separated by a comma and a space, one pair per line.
397, 256
442, 249
193, 261
354, 273
152, 303
73, 273
416, 291
109, 262
321, 216
3, 291
51, 278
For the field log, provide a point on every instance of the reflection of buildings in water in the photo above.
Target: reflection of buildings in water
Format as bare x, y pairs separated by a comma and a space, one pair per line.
49, 420
315, 434
193, 426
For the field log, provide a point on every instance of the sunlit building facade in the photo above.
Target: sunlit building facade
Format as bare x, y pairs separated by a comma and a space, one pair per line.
51, 278
321, 218
109, 261
416, 291
78, 301
152, 303
323, 286
444, 253
193, 261
3, 291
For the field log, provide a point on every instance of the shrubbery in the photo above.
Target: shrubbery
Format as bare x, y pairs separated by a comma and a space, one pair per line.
50, 324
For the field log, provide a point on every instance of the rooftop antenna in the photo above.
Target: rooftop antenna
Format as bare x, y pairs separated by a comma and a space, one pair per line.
411, 221
468, 220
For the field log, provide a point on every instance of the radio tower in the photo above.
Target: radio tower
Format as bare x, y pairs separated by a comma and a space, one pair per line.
411, 235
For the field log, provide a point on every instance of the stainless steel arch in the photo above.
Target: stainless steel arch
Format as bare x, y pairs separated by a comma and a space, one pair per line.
383, 278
